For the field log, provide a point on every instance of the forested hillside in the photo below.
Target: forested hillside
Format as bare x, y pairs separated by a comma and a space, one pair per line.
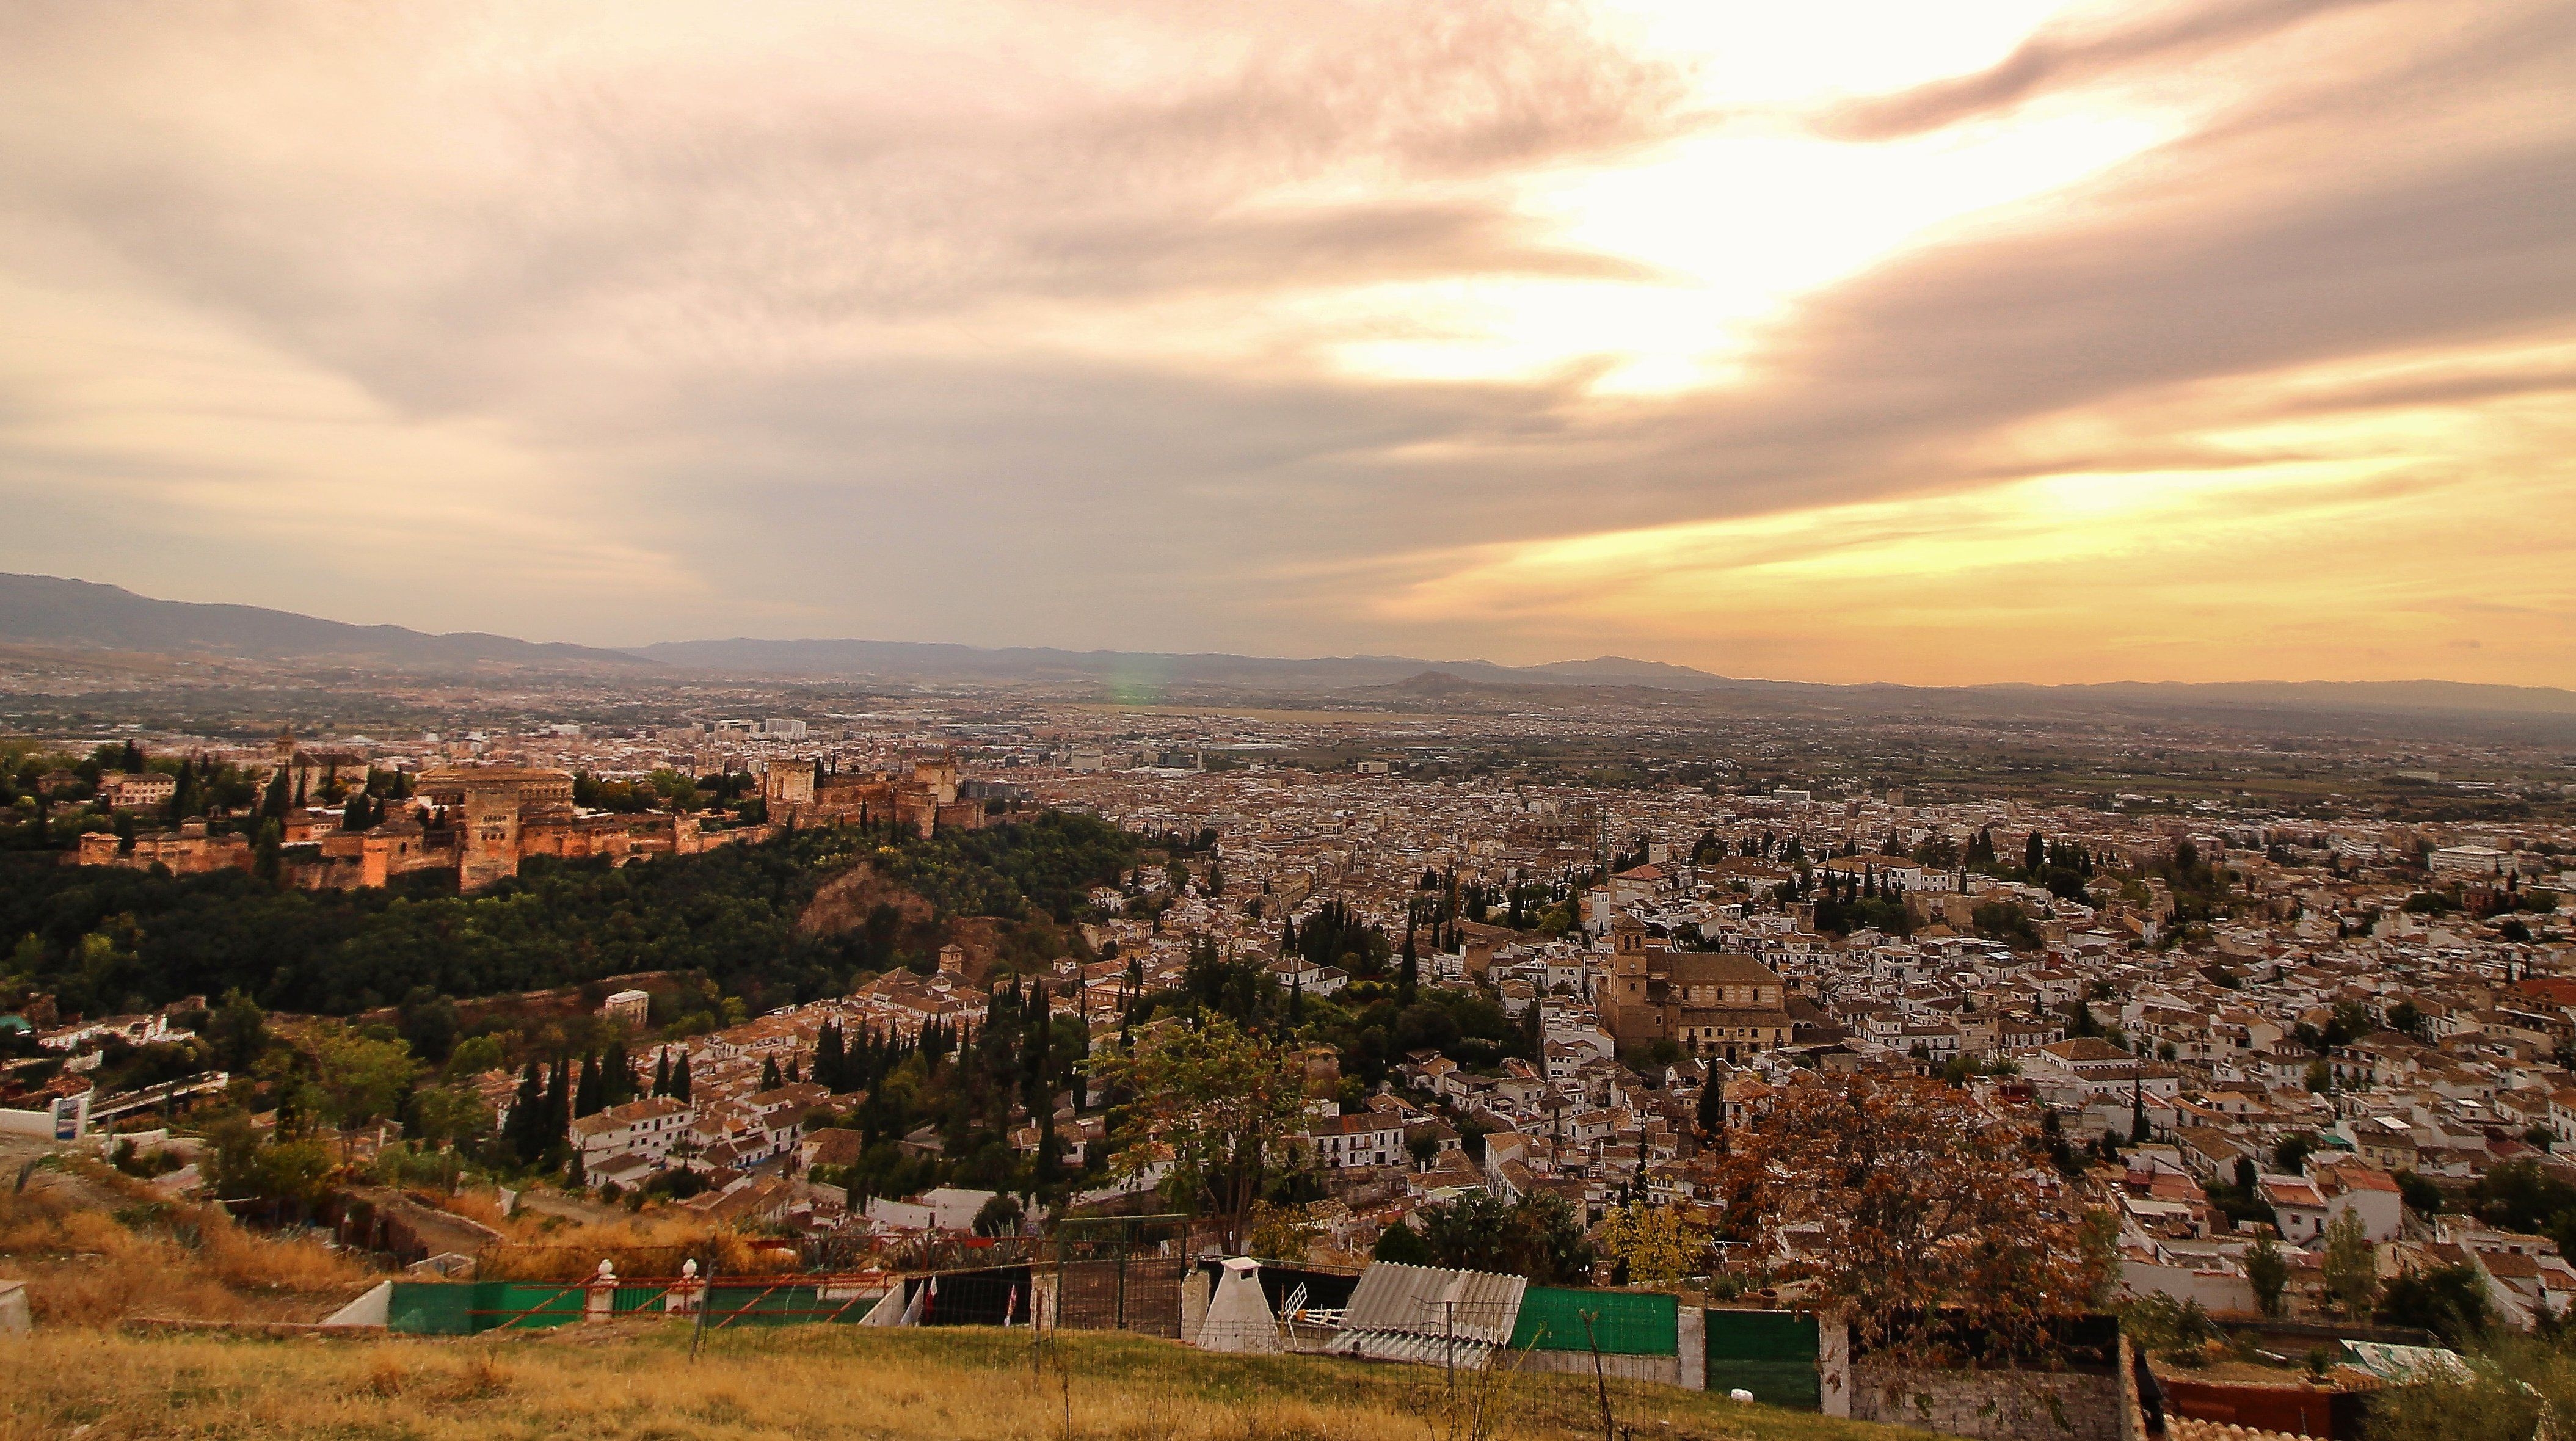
103, 940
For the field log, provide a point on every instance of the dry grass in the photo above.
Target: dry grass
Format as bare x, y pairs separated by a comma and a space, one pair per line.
87, 1266
634, 1382
652, 1244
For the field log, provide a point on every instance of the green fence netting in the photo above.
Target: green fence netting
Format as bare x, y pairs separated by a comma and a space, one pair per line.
463, 1308
1624, 1323
1769, 1353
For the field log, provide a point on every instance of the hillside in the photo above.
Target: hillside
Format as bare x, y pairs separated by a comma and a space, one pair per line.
70, 622
736, 914
636, 1381
44, 610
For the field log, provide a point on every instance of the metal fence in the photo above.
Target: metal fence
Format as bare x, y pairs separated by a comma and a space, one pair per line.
464, 1308
1120, 1273
1772, 1354
1623, 1323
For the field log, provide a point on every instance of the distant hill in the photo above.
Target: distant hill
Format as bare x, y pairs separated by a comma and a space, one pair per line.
79, 615
909, 660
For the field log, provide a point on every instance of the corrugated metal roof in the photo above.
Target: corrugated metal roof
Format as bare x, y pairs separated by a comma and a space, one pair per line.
1419, 1350
1433, 1301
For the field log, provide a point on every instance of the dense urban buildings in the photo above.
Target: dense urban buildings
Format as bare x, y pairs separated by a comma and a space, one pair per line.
2247, 985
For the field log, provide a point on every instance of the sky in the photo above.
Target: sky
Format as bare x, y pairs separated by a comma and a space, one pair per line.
1840, 341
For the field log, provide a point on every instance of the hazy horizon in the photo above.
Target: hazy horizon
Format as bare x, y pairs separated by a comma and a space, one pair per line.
1991, 343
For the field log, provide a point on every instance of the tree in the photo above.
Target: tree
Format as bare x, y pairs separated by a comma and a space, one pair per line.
2290, 1157
2450, 1301
453, 1115
1653, 1245
586, 1093
1217, 1103
1279, 1233
361, 1079
2348, 1266
238, 1029
1402, 1245
268, 854
523, 1130
2268, 1272
1907, 1197
999, 1216
2034, 853
1538, 1237
2422, 1196
2169, 1328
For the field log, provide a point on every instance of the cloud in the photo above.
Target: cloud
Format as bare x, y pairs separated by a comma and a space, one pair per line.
2066, 56
1091, 305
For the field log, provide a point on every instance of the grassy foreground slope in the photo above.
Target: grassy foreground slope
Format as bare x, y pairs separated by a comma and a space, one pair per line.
636, 1381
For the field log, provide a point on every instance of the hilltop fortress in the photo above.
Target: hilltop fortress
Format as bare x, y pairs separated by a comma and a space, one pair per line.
924, 801
482, 821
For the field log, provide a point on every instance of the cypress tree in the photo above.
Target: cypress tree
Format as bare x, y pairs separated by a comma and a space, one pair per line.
616, 1076
830, 1059
662, 1072
769, 1077
268, 858
680, 1079
2034, 853
585, 1096
520, 1130
555, 1119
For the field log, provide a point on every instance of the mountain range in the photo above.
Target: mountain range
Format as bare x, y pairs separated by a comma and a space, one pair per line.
74, 615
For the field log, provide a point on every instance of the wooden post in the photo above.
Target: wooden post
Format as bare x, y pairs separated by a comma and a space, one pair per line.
1600, 1384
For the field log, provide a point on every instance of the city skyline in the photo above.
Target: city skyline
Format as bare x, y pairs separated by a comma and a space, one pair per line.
2011, 342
